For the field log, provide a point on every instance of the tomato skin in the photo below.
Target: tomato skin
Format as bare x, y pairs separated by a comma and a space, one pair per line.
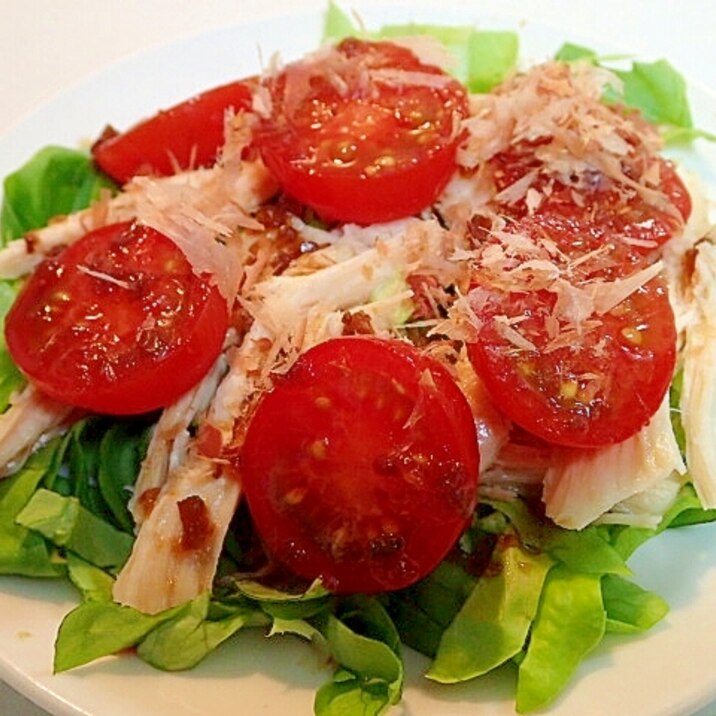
599, 389
185, 136
360, 466
374, 152
117, 323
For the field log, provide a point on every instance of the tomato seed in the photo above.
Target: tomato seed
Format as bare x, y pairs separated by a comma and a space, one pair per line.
633, 335
323, 402
318, 449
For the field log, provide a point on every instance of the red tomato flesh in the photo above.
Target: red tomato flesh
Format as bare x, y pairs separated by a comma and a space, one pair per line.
117, 323
360, 466
599, 389
186, 136
367, 134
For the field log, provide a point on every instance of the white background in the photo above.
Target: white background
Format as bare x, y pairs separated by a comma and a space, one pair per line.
48, 45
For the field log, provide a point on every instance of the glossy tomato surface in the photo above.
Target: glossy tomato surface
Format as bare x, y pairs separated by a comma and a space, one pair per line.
556, 353
599, 386
186, 136
360, 466
117, 323
364, 132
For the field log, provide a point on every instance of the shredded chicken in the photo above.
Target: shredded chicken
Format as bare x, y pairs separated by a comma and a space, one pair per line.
31, 420
169, 443
698, 396
161, 571
583, 484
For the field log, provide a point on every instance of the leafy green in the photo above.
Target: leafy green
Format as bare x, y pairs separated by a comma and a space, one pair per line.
100, 460
364, 643
585, 551
423, 611
337, 25
494, 622
55, 181
121, 451
98, 628
11, 379
93, 583
65, 523
492, 57
570, 622
685, 510
282, 604
183, 641
23, 551
630, 608
659, 91
569, 52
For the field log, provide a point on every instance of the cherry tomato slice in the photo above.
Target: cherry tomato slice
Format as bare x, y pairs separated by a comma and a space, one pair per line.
360, 466
186, 136
600, 388
366, 134
117, 323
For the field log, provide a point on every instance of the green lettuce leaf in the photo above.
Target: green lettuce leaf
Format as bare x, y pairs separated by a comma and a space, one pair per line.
23, 551
54, 182
121, 451
586, 550
11, 380
282, 604
659, 91
423, 611
494, 622
101, 458
199, 628
65, 523
570, 52
363, 641
492, 57
337, 24
569, 623
630, 608
93, 583
98, 628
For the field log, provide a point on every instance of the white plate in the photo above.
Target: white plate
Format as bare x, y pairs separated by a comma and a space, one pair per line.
670, 671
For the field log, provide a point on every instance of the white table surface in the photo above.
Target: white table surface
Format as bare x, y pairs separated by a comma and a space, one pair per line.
48, 45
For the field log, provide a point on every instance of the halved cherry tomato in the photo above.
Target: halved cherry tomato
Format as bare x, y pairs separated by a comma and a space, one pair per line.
604, 382
117, 323
186, 136
360, 466
366, 134
600, 388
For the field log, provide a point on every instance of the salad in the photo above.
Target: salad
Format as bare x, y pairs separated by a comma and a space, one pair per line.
402, 335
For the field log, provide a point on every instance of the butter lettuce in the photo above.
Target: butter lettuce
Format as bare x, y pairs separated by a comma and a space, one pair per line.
54, 182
